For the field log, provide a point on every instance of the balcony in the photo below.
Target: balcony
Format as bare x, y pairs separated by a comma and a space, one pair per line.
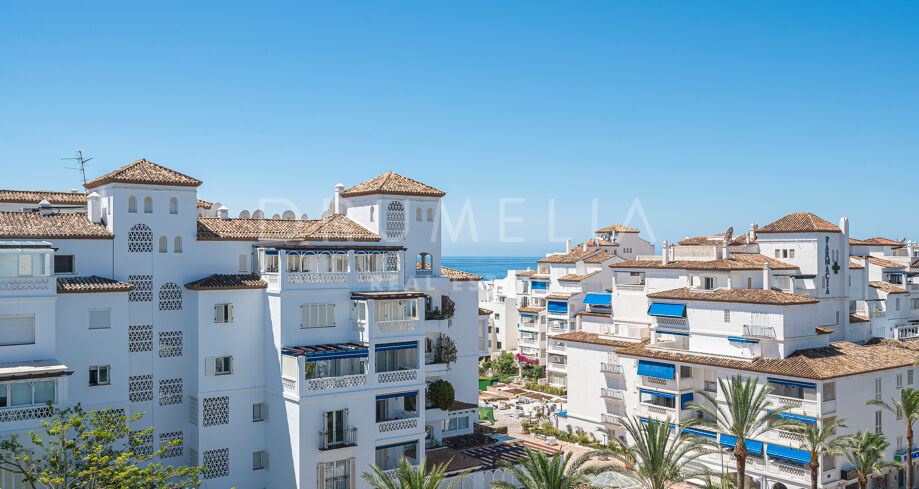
557, 366
607, 393
331, 440
338, 482
325, 267
397, 376
658, 412
611, 368
396, 426
752, 331
611, 419
335, 383
805, 405
631, 288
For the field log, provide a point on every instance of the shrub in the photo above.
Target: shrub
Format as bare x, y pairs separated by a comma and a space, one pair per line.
501, 429
447, 306
444, 350
442, 394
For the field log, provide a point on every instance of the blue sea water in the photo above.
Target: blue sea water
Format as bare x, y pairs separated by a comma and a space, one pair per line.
490, 267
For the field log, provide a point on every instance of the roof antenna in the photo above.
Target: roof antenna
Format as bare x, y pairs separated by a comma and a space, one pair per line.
83, 161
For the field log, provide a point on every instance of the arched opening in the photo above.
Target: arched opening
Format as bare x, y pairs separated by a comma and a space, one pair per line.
173, 205
177, 244
424, 264
148, 205
132, 205
163, 244
779, 485
430, 214
418, 214
140, 239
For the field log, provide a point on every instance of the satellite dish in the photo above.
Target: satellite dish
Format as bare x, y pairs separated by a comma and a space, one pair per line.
288, 215
728, 235
258, 214
244, 214
304, 216
276, 217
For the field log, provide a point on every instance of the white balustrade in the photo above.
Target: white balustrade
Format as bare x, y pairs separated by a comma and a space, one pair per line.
326, 383
397, 376
289, 385
376, 276
317, 277
630, 288
398, 326
26, 413
397, 425
611, 368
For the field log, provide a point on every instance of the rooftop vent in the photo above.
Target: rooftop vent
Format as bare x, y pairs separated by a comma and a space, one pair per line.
244, 214
45, 208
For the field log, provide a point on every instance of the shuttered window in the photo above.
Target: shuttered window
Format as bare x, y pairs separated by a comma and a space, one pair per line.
17, 330
223, 313
317, 315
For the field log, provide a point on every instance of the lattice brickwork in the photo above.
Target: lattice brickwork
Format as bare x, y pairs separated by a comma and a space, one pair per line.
170, 344
140, 239
216, 411
217, 463
395, 220
143, 288
140, 388
170, 297
173, 451
170, 392
143, 444
140, 338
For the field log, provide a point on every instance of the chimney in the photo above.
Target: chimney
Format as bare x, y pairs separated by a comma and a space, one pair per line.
844, 227
910, 246
725, 253
767, 276
584, 246
223, 212
567, 245
339, 188
751, 234
94, 207
665, 253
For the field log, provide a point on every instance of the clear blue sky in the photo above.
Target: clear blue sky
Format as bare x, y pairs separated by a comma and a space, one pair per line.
710, 114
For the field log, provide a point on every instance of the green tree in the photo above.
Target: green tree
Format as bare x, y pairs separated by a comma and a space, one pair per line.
655, 459
907, 409
408, 477
506, 363
92, 450
442, 394
536, 470
865, 452
723, 482
819, 440
748, 414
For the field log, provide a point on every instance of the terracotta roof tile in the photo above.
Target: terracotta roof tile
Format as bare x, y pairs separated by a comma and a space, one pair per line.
889, 288
559, 297
36, 196
855, 263
220, 281
716, 239
333, 228
858, 318
573, 277
593, 339
526, 273
203, 204
338, 228
596, 242
459, 275
485, 312
91, 284
146, 173
532, 309
799, 222
619, 228
391, 183
572, 256
746, 296
823, 330
836, 360
65, 225
874, 242
737, 261
880, 262
599, 257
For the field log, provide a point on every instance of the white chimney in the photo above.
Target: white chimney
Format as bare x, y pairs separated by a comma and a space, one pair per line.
584, 246
94, 207
725, 253
567, 245
751, 234
844, 227
767, 276
339, 188
665, 253
223, 212
910, 246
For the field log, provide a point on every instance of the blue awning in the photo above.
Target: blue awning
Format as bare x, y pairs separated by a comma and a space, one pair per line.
527, 315
791, 454
563, 414
793, 383
753, 446
657, 370
661, 309
797, 417
597, 299
538, 284
707, 434
397, 394
645, 421
402, 345
394, 445
656, 393
737, 339
685, 398
557, 307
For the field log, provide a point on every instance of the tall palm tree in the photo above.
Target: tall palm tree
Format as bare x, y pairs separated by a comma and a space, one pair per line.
748, 414
819, 440
655, 459
907, 408
408, 477
866, 454
536, 470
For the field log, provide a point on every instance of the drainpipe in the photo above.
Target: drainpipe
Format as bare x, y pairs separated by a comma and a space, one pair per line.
767, 276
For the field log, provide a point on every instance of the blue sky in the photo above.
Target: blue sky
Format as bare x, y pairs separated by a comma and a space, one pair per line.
707, 114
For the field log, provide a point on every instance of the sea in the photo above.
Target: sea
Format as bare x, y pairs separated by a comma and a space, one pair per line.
490, 267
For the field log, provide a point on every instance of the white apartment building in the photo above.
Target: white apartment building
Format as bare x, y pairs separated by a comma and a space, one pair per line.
500, 297
825, 320
282, 352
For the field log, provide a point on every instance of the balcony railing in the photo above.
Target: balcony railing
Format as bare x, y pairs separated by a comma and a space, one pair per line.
607, 393
328, 383
376, 276
806, 405
557, 366
397, 376
397, 425
340, 482
611, 368
23, 414
330, 440
758, 331
610, 419
317, 277
630, 287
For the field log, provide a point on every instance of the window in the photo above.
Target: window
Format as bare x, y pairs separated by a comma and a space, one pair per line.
878, 427
899, 381
784, 253
335, 429
418, 214
223, 313
915, 303
727, 315
259, 412
837, 317
708, 283
455, 424
430, 214
395, 220
63, 264
371, 213
396, 310
163, 244
685, 372
259, 460
100, 318
219, 365
99, 375
132, 205
148, 205
243, 264
317, 316
27, 393
17, 330
140, 239
897, 304
177, 244
909, 377
829, 391
173, 205
749, 283
877, 389
338, 475
778, 253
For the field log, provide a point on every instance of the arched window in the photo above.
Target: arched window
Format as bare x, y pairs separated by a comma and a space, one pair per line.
371, 213
423, 265
418, 214
170, 297
430, 214
173, 205
132, 205
163, 244
148, 205
395, 220
177, 245
140, 239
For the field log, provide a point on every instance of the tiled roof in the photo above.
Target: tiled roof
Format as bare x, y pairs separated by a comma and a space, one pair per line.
856, 264
36, 196
462, 405
746, 296
526, 273
858, 318
799, 222
592, 338
558, 297
619, 228
572, 256
715, 239
874, 242
880, 262
595, 242
737, 261
333, 228
220, 281
91, 284
823, 330
573, 277
836, 360
203, 204
599, 257
889, 288
391, 183
459, 275
485, 312
532, 309
66, 225
146, 173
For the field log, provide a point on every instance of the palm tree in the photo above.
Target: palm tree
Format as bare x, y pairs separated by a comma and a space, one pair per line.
656, 460
408, 477
748, 414
723, 482
907, 408
866, 454
536, 470
819, 440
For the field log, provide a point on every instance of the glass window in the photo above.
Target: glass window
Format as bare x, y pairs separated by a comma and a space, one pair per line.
258, 411
99, 375
177, 245
4, 396
162, 244
224, 366
100, 318
148, 205
44, 391
63, 264
173, 206
21, 394
132, 205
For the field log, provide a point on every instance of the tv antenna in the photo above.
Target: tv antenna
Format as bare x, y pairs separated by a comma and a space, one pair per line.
83, 161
